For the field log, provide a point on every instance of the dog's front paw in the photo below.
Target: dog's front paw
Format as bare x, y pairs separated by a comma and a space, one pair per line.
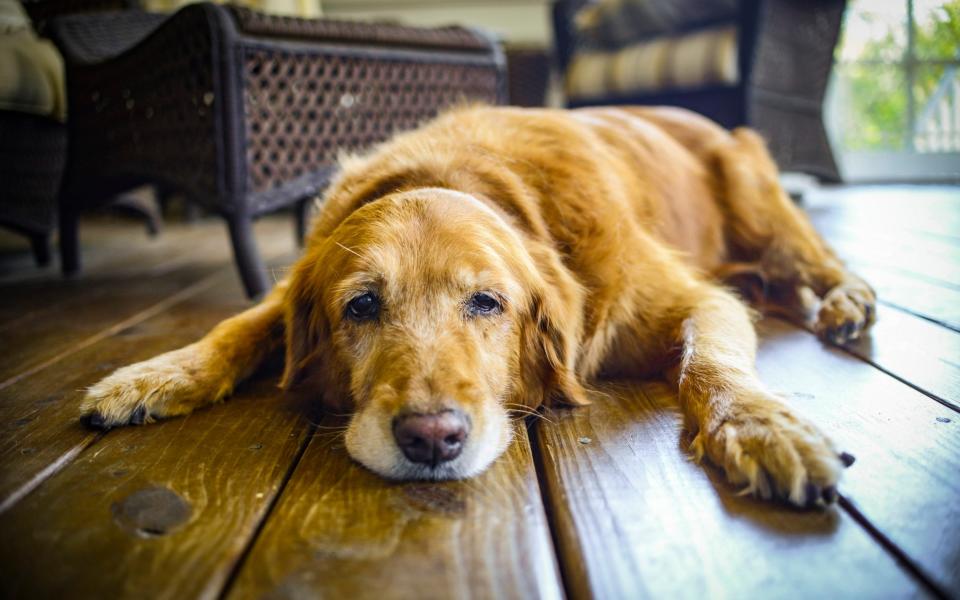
761, 444
168, 385
846, 312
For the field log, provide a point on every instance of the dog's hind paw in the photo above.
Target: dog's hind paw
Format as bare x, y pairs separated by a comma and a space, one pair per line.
773, 453
846, 312
168, 385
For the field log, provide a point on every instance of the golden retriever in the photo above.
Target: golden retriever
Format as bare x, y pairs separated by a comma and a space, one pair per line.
504, 257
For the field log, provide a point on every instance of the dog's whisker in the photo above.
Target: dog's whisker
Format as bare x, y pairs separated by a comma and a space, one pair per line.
526, 411
328, 434
334, 427
331, 432
350, 250
339, 415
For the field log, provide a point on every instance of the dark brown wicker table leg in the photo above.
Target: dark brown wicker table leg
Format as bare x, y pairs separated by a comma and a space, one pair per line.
301, 217
245, 253
40, 244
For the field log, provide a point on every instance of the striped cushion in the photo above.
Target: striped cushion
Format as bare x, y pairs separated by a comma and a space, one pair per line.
707, 57
612, 24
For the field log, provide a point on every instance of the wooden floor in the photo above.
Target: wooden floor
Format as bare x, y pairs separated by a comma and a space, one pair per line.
257, 498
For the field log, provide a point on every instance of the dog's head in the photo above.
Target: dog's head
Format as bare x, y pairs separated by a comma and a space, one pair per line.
426, 316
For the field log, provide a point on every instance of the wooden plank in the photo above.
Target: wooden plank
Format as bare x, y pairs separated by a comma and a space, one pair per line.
109, 244
898, 240
906, 480
930, 269
43, 342
104, 513
114, 256
340, 531
633, 517
39, 414
101, 238
935, 303
163, 511
903, 231
926, 211
83, 314
887, 234
924, 354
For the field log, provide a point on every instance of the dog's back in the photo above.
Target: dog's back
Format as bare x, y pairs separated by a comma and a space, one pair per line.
579, 177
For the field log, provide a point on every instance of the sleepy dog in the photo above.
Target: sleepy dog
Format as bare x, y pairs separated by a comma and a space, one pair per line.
504, 257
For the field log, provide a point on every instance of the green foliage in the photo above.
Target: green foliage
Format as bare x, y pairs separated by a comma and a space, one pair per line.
875, 86
941, 38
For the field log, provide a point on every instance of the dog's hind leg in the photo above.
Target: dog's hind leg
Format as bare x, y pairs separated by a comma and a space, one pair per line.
764, 226
180, 381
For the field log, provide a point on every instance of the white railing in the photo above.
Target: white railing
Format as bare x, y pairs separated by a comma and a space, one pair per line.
937, 127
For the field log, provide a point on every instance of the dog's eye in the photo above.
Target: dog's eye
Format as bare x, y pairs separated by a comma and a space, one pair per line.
364, 307
484, 304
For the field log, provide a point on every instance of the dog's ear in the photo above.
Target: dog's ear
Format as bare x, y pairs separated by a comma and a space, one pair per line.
551, 334
306, 329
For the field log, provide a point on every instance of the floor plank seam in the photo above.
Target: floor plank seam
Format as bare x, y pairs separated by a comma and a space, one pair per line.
947, 403
947, 285
143, 315
49, 471
913, 313
546, 499
891, 548
248, 549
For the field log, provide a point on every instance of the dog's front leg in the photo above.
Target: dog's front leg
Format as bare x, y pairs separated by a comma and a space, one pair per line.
738, 424
180, 381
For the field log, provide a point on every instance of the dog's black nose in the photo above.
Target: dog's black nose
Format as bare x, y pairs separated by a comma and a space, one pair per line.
431, 439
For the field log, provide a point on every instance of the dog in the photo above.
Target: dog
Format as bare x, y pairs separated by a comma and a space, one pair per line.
500, 259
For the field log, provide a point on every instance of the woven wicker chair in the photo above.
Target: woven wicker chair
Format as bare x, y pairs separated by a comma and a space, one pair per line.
33, 150
785, 55
245, 112
33, 143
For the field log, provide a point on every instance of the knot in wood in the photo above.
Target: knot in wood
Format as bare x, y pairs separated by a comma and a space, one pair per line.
151, 512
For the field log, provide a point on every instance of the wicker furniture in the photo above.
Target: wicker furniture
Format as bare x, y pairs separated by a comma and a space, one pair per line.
33, 138
784, 54
245, 112
33, 150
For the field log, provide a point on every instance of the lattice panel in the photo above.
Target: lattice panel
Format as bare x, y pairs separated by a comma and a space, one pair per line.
151, 111
302, 109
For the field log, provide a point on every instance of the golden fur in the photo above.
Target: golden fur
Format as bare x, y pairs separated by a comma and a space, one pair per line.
599, 230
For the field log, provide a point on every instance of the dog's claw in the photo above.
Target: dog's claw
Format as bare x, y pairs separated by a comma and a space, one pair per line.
847, 459
94, 420
138, 415
812, 495
830, 494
